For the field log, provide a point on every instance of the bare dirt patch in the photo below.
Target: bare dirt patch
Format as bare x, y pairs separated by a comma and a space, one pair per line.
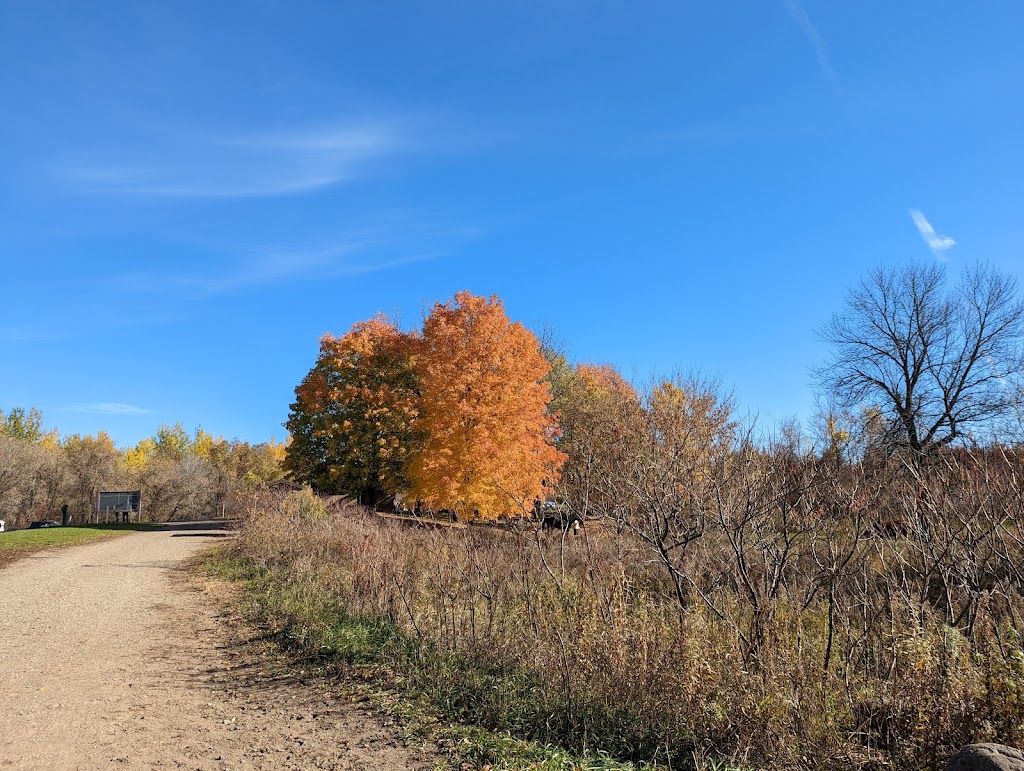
112, 656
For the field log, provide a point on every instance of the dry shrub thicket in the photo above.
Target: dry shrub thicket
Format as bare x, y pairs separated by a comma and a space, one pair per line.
759, 602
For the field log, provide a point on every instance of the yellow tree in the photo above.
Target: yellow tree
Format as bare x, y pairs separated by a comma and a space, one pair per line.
598, 412
175, 472
488, 438
239, 468
686, 438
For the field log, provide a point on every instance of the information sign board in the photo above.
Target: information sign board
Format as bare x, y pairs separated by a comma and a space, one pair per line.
122, 501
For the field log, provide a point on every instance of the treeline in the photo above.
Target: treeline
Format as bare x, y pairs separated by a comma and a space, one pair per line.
181, 475
471, 414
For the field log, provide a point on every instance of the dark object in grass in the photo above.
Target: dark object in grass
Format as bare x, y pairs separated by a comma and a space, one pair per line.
564, 522
987, 757
43, 523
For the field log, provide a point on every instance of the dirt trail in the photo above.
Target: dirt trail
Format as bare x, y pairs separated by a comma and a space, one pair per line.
110, 657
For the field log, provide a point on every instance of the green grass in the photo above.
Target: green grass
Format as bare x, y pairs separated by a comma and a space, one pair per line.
17, 542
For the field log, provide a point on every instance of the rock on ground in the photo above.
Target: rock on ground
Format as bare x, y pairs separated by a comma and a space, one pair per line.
987, 757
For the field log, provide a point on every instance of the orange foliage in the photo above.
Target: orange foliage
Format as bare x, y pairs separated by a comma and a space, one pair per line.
488, 437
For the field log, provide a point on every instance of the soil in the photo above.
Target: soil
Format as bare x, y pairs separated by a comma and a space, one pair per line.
113, 655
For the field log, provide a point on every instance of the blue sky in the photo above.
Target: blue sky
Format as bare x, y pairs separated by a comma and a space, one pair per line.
191, 193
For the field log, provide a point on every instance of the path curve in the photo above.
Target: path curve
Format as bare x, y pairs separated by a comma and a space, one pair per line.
111, 658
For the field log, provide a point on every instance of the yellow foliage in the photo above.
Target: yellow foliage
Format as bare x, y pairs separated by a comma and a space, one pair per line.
137, 458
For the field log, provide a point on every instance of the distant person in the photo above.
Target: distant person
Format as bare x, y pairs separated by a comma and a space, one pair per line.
64, 518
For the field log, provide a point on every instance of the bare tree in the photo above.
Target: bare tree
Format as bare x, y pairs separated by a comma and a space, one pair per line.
939, 363
684, 437
92, 465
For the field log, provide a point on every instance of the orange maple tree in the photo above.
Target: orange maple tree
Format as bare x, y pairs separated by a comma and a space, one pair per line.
488, 437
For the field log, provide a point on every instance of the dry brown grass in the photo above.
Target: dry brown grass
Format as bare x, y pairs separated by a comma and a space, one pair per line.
806, 638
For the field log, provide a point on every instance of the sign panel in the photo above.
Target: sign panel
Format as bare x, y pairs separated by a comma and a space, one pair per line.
124, 500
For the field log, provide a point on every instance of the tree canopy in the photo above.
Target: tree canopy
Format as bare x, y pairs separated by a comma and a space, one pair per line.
455, 417
488, 438
352, 420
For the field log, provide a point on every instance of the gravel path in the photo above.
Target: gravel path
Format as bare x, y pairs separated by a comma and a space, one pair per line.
112, 657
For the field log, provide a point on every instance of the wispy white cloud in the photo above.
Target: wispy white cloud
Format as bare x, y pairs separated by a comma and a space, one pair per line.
106, 408
403, 240
938, 244
799, 15
238, 166
278, 265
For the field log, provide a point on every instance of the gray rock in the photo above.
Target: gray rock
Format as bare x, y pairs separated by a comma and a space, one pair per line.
987, 757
